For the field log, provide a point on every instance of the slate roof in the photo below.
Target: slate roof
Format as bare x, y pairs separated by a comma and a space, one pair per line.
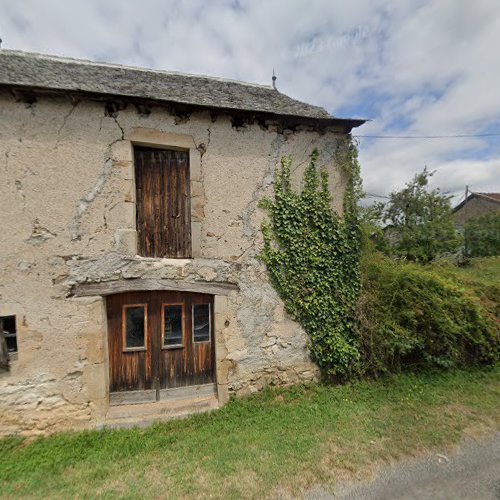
38, 71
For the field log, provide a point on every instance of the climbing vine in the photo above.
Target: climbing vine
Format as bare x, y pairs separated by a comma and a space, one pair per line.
312, 256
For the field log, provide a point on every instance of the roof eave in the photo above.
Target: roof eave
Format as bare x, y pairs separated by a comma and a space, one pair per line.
323, 122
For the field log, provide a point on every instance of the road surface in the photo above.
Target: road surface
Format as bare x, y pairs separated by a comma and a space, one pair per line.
472, 472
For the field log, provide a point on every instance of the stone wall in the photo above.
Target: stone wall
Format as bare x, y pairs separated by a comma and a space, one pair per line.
67, 215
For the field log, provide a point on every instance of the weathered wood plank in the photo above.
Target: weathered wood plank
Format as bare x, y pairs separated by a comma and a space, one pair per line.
138, 285
128, 370
185, 203
163, 202
4, 354
132, 397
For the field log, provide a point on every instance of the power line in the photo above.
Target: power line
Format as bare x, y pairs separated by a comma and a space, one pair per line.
458, 136
372, 195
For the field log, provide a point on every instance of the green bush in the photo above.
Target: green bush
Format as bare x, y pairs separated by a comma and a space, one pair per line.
414, 316
482, 235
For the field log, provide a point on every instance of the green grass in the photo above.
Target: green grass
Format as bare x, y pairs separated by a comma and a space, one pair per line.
275, 441
483, 270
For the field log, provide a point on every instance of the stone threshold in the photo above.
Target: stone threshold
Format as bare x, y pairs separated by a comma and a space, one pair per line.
176, 403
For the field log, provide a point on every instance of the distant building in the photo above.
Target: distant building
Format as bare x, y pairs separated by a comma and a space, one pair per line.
476, 205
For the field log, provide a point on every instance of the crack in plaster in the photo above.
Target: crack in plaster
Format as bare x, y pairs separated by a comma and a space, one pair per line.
86, 201
119, 126
19, 182
248, 230
6, 157
304, 154
202, 148
63, 124
93, 193
20, 192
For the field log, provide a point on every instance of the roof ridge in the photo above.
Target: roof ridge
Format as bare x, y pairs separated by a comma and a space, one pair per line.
90, 62
489, 196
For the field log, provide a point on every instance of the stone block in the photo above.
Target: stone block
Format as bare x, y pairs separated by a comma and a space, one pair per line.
122, 215
207, 273
220, 305
222, 368
197, 189
96, 381
99, 408
222, 394
197, 209
95, 349
122, 151
195, 238
194, 165
126, 241
154, 137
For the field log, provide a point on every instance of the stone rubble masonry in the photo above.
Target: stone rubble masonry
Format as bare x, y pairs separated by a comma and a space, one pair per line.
67, 212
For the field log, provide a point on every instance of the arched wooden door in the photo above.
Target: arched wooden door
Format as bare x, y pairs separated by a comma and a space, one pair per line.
157, 341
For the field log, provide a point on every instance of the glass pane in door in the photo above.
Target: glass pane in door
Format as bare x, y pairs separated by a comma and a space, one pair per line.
172, 326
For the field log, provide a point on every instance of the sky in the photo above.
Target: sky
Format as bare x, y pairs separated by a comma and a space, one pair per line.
412, 67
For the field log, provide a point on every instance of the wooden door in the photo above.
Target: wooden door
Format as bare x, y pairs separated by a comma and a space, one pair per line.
190, 362
130, 345
158, 341
163, 202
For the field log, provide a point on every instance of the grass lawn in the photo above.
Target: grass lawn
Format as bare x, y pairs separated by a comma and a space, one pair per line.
280, 440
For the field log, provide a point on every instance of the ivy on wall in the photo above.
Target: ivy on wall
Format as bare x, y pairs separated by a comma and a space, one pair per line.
312, 255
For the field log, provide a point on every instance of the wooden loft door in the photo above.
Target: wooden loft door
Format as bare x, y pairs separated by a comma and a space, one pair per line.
163, 202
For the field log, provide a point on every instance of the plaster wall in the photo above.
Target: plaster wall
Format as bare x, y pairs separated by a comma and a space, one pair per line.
67, 216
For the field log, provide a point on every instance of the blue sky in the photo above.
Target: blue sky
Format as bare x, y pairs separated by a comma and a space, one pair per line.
414, 67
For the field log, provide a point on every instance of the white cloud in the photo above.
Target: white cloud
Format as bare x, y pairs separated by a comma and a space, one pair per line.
414, 67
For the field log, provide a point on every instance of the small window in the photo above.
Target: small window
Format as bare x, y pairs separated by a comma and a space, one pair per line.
172, 326
201, 322
134, 327
8, 323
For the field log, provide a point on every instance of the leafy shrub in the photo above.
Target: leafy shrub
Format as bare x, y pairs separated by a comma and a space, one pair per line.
411, 315
408, 314
482, 235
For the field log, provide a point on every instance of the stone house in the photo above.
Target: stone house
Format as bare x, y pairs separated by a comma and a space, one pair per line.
475, 205
129, 284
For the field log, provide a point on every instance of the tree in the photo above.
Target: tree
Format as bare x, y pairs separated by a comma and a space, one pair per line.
419, 221
483, 235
